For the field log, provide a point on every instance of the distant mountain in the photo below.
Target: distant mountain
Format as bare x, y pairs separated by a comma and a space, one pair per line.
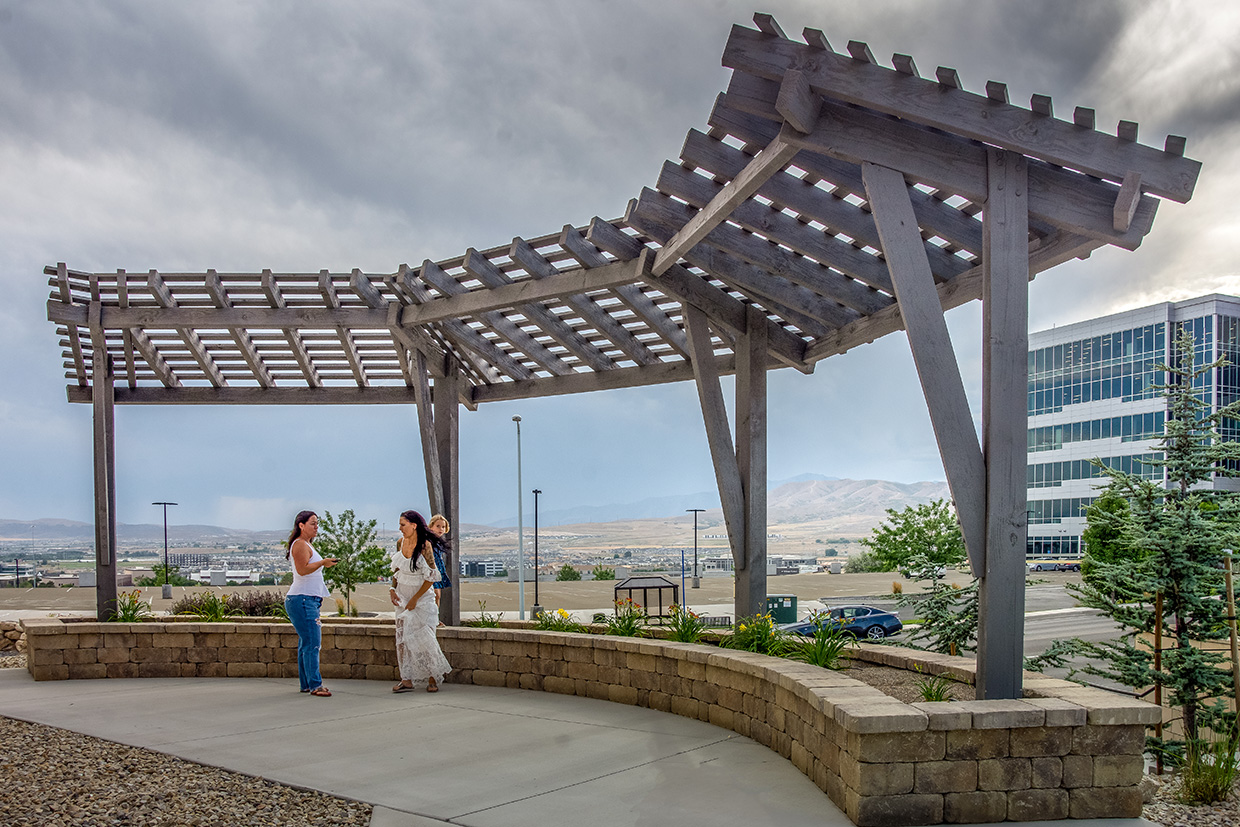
73, 530
804, 498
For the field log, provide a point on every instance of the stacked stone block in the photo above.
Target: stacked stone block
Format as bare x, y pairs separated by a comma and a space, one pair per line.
1064, 751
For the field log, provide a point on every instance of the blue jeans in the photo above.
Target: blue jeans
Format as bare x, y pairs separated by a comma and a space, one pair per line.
303, 611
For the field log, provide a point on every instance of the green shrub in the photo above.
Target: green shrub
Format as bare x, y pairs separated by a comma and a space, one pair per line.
255, 604
685, 626
827, 647
557, 621
934, 688
628, 621
1209, 769
604, 573
567, 572
485, 620
209, 606
130, 608
757, 633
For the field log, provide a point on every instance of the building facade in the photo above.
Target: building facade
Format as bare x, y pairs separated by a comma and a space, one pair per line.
1093, 395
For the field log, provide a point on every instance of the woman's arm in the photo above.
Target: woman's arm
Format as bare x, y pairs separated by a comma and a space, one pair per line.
301, 559
426, 584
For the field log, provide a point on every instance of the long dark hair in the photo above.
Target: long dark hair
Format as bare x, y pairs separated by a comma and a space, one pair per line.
422, 534
298, 522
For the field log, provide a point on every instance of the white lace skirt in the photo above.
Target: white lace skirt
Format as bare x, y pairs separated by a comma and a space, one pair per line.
417, 649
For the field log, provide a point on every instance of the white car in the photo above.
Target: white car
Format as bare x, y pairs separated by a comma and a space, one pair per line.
1044, 565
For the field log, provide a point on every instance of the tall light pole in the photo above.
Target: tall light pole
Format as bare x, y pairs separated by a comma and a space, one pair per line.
537, 608
167, 592
696, 511
520, 532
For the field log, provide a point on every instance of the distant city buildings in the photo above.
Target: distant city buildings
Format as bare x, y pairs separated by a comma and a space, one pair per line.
1092, 395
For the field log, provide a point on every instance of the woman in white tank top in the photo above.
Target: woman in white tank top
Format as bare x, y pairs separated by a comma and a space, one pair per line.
304, 598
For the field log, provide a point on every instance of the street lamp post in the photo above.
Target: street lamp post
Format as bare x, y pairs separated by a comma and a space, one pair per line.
537, 608
697, 583
520, 532
167, 592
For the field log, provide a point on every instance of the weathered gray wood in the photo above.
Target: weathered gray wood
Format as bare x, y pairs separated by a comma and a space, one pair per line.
932, 353
792, 265
122, 300
691, 289
1057, 196
426, 432
501, 324
718, 434
797, 103
448, 440
589, 256
966, 287
1005, 324
488, 357
105, 479
1127, 201
282, 318
155, 360
215, 289
541, 269
328, 290
192, 340
483, 269
961, 113
770, 160
751, 463
932, 214
75, 340
271, 289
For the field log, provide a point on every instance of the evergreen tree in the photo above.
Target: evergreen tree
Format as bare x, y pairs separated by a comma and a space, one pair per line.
948, 613
1171, 540
567, 572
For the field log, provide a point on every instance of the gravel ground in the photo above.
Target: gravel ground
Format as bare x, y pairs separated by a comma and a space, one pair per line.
12, 660
1164, 809
56, 778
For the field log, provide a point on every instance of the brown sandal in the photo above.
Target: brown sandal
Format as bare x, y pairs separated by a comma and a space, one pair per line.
321, 692
432, 687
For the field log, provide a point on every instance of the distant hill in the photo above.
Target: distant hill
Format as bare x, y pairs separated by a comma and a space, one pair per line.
73, 530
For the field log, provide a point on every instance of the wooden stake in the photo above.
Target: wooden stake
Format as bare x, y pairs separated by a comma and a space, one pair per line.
1235, 649
1158, 728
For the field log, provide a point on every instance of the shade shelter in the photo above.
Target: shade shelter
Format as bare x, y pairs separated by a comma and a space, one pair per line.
828, 201
652, 592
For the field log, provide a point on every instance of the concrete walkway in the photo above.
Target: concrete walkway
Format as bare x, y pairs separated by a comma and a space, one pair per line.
468, 755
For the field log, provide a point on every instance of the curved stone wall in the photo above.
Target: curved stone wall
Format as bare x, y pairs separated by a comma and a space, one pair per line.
1064, 751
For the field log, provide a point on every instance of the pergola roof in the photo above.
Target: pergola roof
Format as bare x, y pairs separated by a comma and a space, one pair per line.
765, 207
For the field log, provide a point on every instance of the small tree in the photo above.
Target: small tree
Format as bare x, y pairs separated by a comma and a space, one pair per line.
604, 573
1103, 537
567, 572
354, 544
1176, 532
948, 612
286, 579
862, 562
929, 532
175, 578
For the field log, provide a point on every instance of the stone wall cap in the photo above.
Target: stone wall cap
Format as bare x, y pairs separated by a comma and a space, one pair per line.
1003, 713
946, 714
42, 626
865, 717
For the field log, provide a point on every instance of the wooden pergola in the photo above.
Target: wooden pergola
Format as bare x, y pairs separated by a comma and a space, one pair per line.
830, 200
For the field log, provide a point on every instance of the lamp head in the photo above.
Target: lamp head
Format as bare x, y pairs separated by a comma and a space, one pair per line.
516, 419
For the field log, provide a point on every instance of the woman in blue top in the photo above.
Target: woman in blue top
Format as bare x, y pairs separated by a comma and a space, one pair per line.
438, 527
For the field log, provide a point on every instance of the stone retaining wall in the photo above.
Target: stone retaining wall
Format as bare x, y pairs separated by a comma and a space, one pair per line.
11, 636
1064, 751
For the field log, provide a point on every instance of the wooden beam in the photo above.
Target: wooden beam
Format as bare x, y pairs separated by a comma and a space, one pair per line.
101, 389
487, 357
271, 289
261, 318
426, 432
770, 160
932, 353
501, 324
482, 268
797, 103
1126, 202
448, 439
932, 214
219, 296
632, 295
962, 113
328, 290
163, 296
1005, 351
122, 300
542, 270
1057, 196
718, 433
75, 337
691, 289
812, 203
751, 463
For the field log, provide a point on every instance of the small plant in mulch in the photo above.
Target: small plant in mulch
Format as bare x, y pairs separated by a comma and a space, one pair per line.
557, 621
827, 647
131, 608
207, 606
934, 688
485, 619
1209, 768
628, 621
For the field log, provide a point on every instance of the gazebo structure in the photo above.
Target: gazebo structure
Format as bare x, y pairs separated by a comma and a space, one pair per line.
830, 200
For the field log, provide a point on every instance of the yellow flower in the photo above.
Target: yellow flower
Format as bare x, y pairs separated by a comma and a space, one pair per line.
742, 627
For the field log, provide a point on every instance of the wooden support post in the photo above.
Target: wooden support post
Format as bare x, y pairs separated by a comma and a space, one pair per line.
1005, 351
105, 476
751, 361
932, 353
447, 440
426, 432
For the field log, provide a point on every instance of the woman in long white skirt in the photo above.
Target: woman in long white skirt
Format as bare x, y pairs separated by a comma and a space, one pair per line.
413, 573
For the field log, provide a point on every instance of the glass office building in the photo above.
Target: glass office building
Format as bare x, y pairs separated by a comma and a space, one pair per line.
1093, 395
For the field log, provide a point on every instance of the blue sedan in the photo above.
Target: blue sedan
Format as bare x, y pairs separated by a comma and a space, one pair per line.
859, 621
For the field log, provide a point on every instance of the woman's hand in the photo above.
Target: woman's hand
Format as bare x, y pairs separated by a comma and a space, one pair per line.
412, 605
328, 562
395, 599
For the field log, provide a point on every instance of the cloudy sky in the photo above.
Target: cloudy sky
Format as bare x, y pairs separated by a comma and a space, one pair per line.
307, 135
